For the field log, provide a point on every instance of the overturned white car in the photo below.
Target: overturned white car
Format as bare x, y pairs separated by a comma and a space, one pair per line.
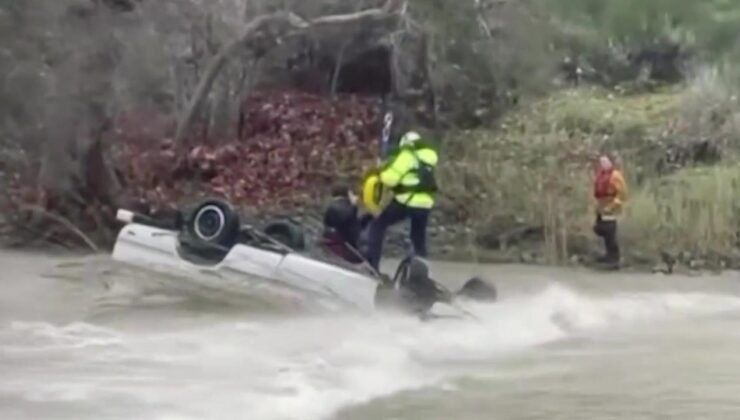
211, 240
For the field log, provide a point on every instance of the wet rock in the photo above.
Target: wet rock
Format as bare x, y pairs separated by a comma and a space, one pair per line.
579, 245
723, 260
668, 259
684, 257
733, 264
540, 259
697, 264
641, 259
506, 231
527, 257
662, 268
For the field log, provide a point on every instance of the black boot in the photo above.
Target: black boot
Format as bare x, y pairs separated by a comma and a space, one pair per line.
607, 230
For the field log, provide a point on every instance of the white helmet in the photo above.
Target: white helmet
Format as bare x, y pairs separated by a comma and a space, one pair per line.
409, 139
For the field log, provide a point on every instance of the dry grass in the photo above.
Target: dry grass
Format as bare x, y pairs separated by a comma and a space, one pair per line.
694, 210
509, 185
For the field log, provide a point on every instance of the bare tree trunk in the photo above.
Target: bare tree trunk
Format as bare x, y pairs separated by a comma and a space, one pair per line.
179, 81
215, 66
431, 97
249, 76
220, 116
58, 167
338, 68
280, 23
396, 83
75, 177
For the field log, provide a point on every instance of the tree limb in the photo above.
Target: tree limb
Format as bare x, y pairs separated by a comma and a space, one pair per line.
282, 21
390, 7
217, 63
338, 68
61, 221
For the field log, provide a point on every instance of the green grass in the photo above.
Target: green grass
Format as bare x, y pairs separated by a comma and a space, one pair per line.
535, 168
599, 111
708, 25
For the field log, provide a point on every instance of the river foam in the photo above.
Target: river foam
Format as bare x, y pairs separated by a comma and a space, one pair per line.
303, 368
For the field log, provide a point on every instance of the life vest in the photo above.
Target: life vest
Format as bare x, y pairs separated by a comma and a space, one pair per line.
424, 173
603, 187
407, 176
610, 192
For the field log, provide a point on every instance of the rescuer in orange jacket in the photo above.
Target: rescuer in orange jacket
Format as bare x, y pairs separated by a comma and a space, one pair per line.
610, 193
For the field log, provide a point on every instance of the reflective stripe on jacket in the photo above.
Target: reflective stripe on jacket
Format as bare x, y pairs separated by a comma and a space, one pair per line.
400, 172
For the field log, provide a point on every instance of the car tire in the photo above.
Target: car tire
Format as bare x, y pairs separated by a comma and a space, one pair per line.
287, 233
214, 222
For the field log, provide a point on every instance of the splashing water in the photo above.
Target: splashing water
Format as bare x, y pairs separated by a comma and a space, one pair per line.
298, 368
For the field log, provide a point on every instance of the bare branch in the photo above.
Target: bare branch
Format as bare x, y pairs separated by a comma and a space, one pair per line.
280, 23
61, 221
391, 7
217, 63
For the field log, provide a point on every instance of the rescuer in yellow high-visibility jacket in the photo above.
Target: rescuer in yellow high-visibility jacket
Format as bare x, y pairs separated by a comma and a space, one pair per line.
409, 173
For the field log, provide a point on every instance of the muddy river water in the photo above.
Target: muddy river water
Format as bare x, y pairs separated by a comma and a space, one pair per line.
82, 338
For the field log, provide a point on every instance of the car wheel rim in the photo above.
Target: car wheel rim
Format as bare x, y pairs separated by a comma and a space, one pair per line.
209, 222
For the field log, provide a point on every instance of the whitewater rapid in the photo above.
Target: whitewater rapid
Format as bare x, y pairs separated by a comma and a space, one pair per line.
230, 366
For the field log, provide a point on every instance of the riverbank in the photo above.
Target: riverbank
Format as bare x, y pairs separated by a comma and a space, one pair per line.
518, 191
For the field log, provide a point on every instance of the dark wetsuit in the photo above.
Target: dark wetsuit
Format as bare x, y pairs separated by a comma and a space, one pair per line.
342, 228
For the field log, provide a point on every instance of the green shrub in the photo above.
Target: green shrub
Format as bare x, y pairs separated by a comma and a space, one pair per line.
710, 25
